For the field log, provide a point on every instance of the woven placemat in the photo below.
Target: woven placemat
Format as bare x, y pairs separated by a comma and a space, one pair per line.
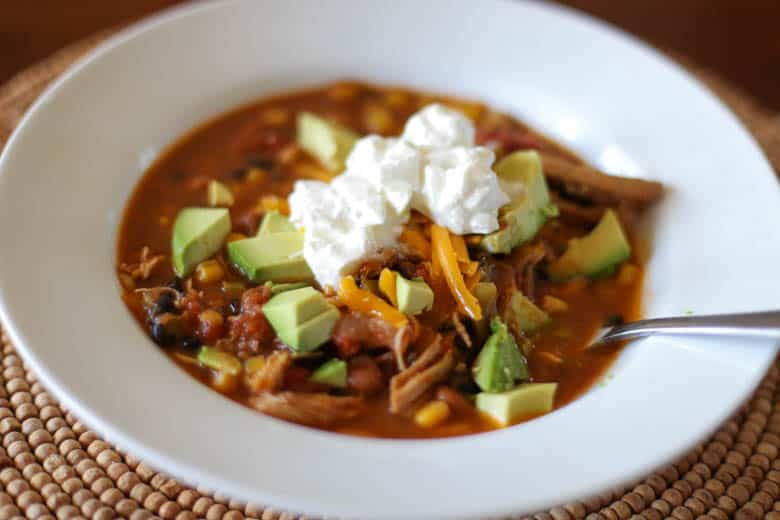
52, 466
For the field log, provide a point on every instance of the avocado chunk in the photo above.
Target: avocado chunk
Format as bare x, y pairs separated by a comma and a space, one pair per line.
525, 401
291, 308
309, 335
499, 363
596, 255
414, 296
277, 257
198, 233
275, 222
332, 373
277, 288
326, 140
528, 316
219, 195
521, 176
302, 318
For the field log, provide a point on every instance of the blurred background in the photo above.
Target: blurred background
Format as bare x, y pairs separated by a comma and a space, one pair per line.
736, 38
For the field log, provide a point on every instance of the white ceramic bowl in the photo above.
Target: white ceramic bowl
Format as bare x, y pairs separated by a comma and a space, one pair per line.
69, 167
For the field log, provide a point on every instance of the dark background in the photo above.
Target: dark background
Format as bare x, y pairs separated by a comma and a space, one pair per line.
737, 38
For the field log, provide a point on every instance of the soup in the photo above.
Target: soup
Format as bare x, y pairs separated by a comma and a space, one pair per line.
440, 277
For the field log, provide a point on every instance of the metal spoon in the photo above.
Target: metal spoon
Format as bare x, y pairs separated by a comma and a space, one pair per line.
753, 324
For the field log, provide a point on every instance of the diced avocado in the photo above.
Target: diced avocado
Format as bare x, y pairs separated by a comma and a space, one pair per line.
219, 195
310, 334
274, 256
333, 373
277, 288
291, 308
275, 222
529, 317
218, 360
595, 255
198, 233
525, 401
520, 220
499, 363
414, 296
326, 140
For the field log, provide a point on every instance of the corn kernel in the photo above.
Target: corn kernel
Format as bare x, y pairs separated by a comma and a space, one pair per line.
256, 174
275, 202
313, 171
275, 116
552, 304
254, 364
209, 272
627, 274
378, 119
432, 414
224, 382
232, 237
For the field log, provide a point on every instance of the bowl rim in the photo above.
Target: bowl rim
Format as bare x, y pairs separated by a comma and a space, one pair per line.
72, 402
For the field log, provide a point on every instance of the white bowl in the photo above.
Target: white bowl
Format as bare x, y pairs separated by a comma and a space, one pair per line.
70, 166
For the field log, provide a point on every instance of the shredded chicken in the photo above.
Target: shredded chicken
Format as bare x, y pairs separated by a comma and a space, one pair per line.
525, 259
271, 376
578, 213
589, 183
460, 329
433, 366
313, 409
144, 268
355, 331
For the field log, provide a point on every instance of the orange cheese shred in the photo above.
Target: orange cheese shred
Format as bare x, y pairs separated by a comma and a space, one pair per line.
444, 253
363, 301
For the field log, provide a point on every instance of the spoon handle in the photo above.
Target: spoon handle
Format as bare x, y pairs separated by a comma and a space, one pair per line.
753, 324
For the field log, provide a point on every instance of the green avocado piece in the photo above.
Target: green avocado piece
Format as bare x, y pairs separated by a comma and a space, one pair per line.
521, 219
528, 316
595, 255
277, 257
499, 363
289, 309
309, 335
198, 233
326, 140
277, 288
333, 373
275, 222
414, 296
218, 360
525, 401
219, 195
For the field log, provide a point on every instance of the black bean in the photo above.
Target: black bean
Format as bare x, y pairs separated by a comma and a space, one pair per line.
176, 284
234, 307
165, 303
190, 343
446, 327
161, 335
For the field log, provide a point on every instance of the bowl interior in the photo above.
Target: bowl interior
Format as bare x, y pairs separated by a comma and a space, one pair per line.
68, 170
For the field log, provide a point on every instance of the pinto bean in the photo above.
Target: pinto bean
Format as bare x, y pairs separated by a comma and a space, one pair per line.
364, 375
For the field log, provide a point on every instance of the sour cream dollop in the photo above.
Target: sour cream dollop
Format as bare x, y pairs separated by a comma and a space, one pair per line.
434, 168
